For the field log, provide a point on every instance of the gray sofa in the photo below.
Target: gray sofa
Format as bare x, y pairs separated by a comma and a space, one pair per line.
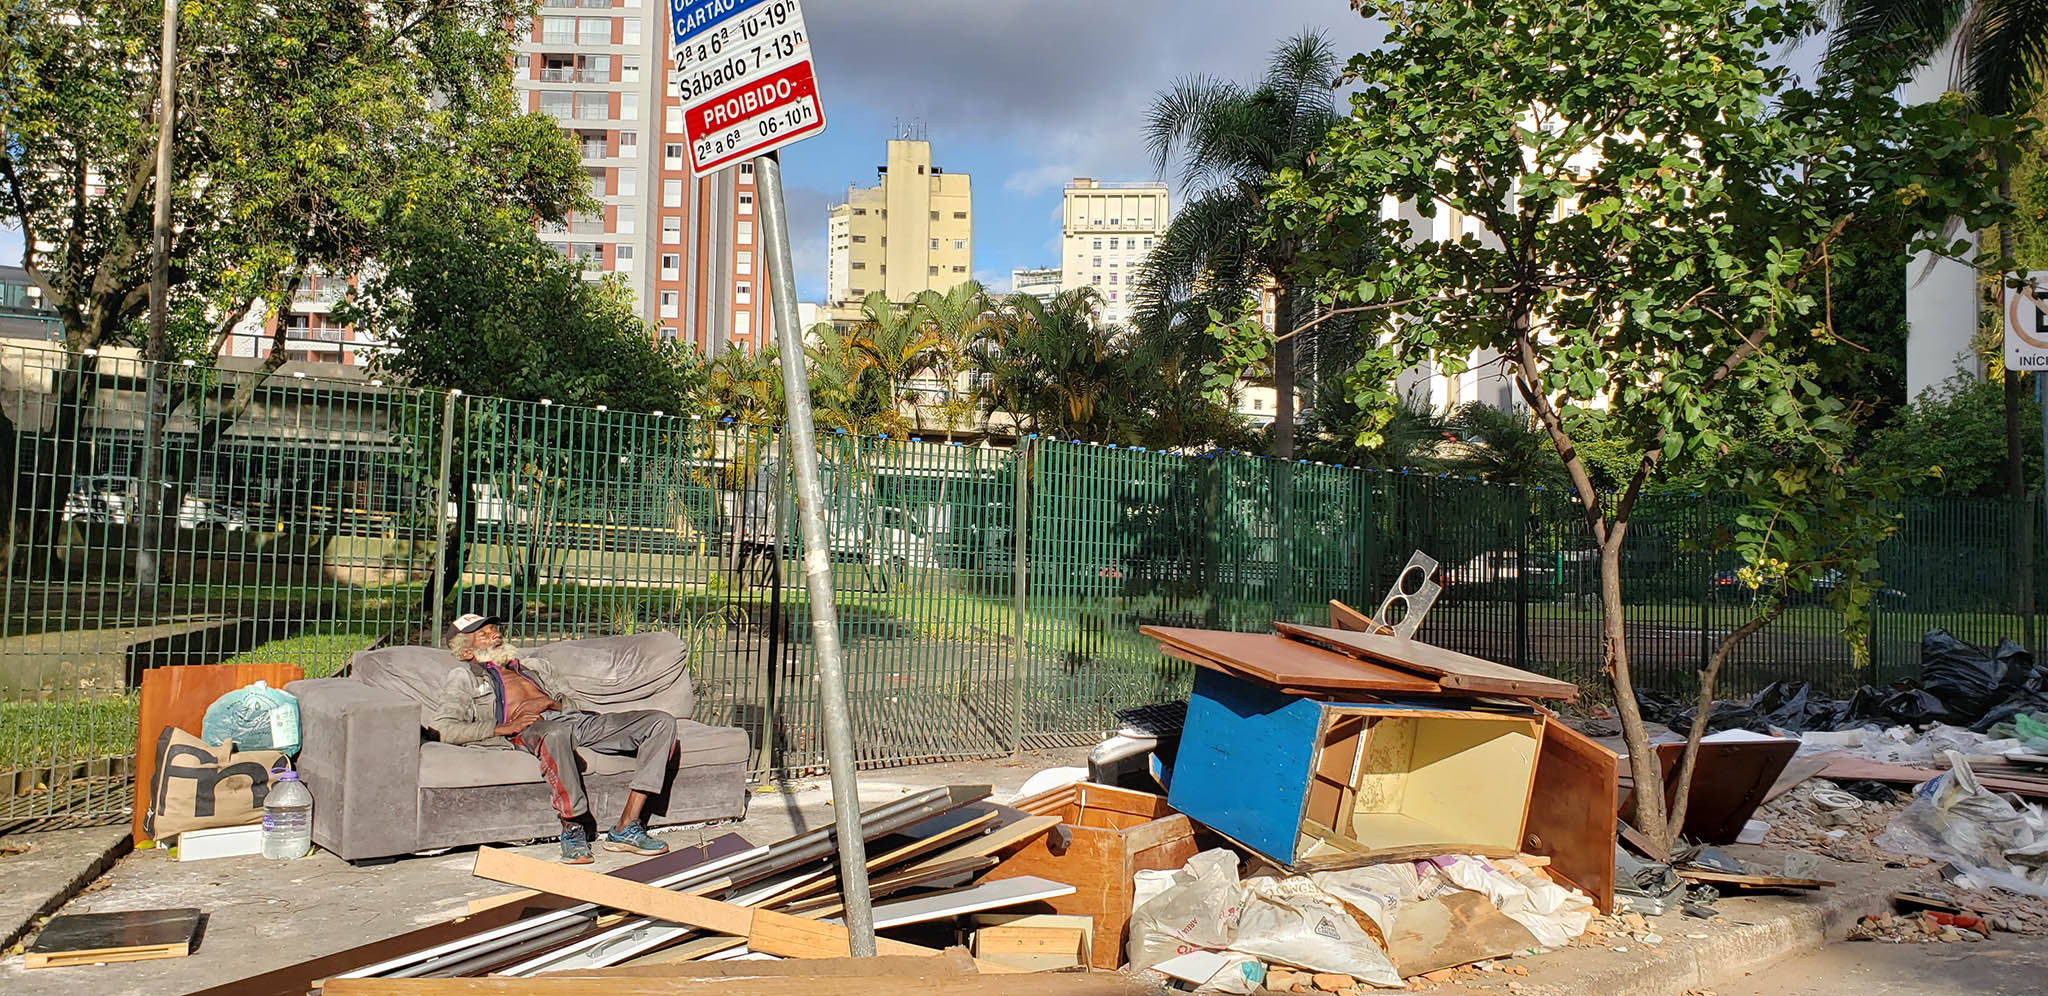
381, 788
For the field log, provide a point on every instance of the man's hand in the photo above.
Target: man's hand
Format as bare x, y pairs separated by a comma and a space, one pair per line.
515, 728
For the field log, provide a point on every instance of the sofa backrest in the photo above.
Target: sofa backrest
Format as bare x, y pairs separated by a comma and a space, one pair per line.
611, 673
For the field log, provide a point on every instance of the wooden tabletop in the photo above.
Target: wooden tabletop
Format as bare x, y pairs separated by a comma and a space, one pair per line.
1460, 672
1285, 663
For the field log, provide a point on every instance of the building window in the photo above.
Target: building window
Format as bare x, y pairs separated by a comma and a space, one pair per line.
1112, 296
593, 31
623, 258
629, 143
586, 222
744, 261
671, 266
746, 203
959, 269
672, 154
1112, 280
744, 233
1148, 243
672, 193
1098, 246
743, 323
623, 224
629, 69
629, 182
559, 104
632, 30
672, 231
860, 238
598, 187
558, 30
746, 169
1112, 244
1098, 261
860, 210
592, 105
934, 244
860, 266
931, 271
1258, 404
935, 216
668, 304
673, 120
959, 216
743, 292
629, 106
668, 333
960, 244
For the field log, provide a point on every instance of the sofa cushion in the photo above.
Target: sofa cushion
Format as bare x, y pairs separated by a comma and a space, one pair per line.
450, 766
611, 674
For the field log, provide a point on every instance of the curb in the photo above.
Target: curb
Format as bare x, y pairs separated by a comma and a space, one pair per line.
67, 888
1732, 949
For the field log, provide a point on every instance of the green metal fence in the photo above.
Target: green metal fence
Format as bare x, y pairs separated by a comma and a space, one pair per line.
989, 597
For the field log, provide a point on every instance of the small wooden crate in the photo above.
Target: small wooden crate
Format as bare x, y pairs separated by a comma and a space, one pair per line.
1105, 836
1038, 943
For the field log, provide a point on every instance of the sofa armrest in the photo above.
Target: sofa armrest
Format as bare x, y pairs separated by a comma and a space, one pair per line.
360, 757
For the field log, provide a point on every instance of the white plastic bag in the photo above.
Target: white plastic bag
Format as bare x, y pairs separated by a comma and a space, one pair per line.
1290, 921
1197, 908
1550, 912
1990, 836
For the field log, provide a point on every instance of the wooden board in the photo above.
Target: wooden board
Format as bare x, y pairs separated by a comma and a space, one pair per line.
1456, 929
1015, 834
1451, 669
1571, 811
1281, 662
134, 935
1856, 769
178, 696
1797, 770
1045, 984
766, 931
1728, 783
1345, 617
1033, 949
951, 961
1715, 878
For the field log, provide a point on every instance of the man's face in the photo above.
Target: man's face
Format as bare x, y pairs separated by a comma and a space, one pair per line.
487, 637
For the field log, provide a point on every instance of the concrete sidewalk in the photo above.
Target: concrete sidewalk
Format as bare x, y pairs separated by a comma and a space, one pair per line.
42, 871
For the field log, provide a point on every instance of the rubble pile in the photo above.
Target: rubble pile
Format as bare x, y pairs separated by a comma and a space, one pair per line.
1920, 928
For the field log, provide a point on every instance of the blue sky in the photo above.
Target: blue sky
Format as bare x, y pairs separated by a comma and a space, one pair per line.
1022, 96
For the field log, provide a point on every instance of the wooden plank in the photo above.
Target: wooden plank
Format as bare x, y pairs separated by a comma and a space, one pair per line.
951, 961
1279, 661
1346, 618
829, 879
1797, 770
1456, 929
993, 895
1009, 984
1033, 949
1749, 881
133, 935
1856, 769
997, 841
1451, 669
1571, 811
690, 911
178, 696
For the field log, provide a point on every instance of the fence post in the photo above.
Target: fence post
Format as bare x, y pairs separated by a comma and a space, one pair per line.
1524, 508
1020, 555
442, 523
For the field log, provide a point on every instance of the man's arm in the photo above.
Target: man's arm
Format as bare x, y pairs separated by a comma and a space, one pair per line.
455, 719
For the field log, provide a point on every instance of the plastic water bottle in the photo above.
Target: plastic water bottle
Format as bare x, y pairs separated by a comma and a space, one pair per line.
287, 818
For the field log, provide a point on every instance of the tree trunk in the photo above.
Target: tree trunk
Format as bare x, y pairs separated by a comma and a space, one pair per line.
1283, 373
1649, 796
1710, 676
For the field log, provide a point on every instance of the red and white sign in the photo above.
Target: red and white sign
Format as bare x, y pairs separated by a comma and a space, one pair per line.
743, 71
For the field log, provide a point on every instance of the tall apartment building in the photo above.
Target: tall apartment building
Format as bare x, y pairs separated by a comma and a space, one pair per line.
912, 232
1042, 283
1106, 229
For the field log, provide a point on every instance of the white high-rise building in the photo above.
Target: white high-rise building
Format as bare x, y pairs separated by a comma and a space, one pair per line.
1106, 231
1039, 282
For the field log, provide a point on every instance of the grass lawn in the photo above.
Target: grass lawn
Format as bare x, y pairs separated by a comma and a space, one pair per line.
76, 730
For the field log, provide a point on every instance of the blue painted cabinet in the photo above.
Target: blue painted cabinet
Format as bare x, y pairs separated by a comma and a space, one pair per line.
1306, 781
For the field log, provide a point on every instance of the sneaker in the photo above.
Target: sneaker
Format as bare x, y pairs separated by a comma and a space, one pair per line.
633, 838
575, 845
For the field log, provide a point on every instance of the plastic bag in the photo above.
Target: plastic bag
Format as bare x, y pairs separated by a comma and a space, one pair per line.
1954, 817
256, 717
1290, 921
1550, 912
1176, 912
1965, 677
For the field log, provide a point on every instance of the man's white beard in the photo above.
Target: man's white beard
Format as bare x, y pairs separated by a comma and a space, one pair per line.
503, 653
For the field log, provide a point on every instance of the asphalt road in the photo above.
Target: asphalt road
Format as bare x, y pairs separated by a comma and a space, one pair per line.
2005, 965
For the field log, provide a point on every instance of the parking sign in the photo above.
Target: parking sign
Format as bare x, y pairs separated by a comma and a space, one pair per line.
743, 71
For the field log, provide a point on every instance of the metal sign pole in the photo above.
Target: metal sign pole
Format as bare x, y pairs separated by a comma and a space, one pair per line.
817, 559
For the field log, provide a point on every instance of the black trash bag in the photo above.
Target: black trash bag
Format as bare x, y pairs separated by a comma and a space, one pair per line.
2021, 677
1793, 706
1913, 707
1659, 708
2028, 703
1965, 677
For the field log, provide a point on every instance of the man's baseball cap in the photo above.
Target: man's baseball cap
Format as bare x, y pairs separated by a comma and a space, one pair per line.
471, 622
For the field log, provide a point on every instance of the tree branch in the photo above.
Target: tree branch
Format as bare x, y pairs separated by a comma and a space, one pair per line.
1703, 715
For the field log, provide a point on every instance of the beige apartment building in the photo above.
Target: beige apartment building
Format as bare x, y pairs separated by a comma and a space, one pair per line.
1106, 230
912, 232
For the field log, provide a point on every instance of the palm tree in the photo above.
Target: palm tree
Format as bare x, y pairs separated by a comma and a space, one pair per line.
1231, 142
891, 346
1055, 370
743, 386
954, 320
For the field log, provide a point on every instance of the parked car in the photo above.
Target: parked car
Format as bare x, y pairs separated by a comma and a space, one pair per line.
199, 512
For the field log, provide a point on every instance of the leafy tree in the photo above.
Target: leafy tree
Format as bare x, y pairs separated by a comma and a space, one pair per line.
743, 386
1647, 205
1054, 369
1230, 142
1957, 434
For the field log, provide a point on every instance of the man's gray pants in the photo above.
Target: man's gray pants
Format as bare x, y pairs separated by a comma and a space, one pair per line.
647, 734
